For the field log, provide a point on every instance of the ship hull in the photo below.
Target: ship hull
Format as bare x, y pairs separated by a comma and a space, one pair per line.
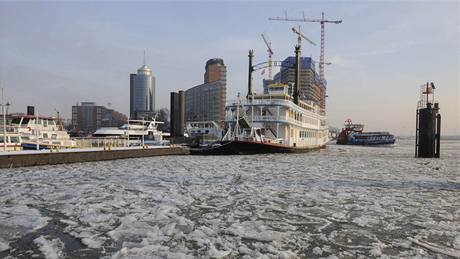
33, 146
366, 143
248, 148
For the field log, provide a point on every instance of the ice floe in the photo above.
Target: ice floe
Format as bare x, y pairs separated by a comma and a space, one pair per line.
50, 248
342, 202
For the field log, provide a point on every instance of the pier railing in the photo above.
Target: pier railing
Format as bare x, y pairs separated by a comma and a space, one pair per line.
100, 142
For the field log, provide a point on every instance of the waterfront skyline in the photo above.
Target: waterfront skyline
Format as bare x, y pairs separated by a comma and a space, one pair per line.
381, 53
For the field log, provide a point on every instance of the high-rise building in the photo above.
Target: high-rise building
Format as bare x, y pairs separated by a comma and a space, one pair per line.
88, 117
142, 93
311, 88
215, 70
206, 102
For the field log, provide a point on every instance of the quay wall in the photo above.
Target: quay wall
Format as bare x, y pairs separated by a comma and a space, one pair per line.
53, 158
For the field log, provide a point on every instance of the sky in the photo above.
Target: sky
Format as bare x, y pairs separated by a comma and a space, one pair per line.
55, 55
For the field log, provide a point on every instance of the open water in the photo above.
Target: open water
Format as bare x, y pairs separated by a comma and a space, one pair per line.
340, 202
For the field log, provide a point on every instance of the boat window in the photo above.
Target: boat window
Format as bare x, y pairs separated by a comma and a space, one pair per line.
53, 136
45, 135
1, 139
14, 139
45, 122
56, 143
18, 120
25, 138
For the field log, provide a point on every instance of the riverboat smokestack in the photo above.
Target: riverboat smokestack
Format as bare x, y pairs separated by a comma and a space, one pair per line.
297, 74
30, 110
428, 124
250, 70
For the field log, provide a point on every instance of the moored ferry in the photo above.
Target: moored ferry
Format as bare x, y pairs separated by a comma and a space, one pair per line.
271, 123
41, 132
135, 130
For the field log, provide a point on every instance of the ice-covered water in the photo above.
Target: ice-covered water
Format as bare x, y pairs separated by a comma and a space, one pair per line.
343, 202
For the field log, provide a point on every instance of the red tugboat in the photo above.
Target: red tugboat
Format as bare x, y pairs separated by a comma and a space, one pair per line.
353, 134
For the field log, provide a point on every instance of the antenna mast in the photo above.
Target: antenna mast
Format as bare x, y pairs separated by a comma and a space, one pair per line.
144, 57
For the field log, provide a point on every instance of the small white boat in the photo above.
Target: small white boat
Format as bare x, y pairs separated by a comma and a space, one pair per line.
46, 132
204, 132
135, 130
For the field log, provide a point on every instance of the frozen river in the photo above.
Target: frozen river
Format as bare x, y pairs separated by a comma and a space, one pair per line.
343, 202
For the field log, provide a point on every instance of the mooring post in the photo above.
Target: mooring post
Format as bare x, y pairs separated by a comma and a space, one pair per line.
438, 136
428, 124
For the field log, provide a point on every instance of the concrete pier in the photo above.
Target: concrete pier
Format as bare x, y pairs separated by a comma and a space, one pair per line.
46, 157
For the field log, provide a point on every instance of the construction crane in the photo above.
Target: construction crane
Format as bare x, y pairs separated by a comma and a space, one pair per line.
270, 54
322, 21
300, 35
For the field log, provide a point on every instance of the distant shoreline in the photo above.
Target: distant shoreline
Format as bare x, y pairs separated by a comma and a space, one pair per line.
442, 137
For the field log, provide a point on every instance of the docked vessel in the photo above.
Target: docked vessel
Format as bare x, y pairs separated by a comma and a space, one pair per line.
354, 134
134, 130
41, 132
204, 133
271, 123
12, 143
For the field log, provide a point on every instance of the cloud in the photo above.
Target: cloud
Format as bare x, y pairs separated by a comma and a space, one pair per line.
342, 61
389, 48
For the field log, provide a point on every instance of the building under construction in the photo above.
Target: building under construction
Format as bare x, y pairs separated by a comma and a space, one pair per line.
310, 89
312, 86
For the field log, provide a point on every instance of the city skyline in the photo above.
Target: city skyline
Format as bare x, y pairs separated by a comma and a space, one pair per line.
57, 54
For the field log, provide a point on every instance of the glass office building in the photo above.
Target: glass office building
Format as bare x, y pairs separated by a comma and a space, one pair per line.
142, 92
